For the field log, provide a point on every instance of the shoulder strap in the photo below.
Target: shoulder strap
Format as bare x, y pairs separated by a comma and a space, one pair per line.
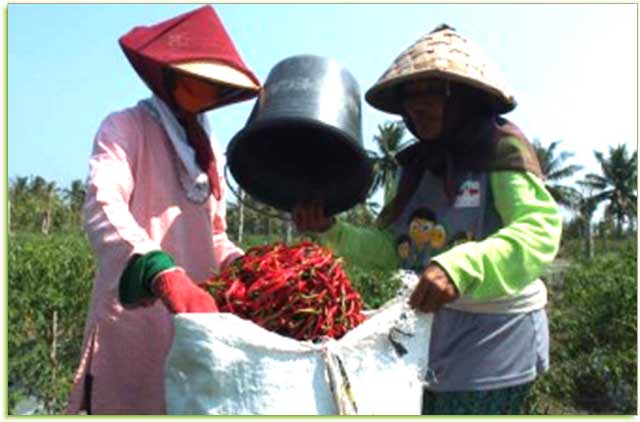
513, 151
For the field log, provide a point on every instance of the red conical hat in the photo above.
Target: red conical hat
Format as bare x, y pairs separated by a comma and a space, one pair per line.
196, 44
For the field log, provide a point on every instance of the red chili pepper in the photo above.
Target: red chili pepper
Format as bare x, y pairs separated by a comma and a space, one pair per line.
300, 291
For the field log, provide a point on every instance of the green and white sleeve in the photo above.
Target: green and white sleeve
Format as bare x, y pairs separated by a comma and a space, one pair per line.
362, 246
507, 261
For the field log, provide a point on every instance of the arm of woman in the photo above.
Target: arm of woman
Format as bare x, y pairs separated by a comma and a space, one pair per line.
363, 246
113, 232
135, 264
507, 261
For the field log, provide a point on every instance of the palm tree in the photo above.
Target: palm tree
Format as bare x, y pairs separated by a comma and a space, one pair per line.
37, 186
385, 166
75, 199
555, 168
585, 208
617, 185
18, 190
50, 190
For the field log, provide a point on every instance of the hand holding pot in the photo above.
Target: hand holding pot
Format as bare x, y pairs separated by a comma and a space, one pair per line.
310, 217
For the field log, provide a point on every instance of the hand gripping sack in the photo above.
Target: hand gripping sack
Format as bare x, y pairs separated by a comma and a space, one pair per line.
220, 364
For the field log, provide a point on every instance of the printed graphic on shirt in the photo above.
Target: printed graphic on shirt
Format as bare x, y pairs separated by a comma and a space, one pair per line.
424, 239
468, 194
438, 236
404, 251
421, 223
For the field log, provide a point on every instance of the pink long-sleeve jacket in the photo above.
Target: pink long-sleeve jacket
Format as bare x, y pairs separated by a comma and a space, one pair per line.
135, 204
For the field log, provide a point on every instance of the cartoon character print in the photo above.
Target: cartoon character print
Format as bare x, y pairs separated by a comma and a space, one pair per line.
421, 222
403, 244
438, 237
425, 237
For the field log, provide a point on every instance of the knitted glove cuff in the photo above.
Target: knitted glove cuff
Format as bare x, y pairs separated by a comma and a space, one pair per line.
136, 279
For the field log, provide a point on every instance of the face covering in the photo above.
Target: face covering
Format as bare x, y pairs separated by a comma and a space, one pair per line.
196, 37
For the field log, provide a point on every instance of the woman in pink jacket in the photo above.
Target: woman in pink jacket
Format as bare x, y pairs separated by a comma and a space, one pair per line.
155, 210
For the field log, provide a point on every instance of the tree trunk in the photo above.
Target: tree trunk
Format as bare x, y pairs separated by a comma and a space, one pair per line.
619, 224
388, 191
54, 338
589, 240
240, 215
289, 231
46, 223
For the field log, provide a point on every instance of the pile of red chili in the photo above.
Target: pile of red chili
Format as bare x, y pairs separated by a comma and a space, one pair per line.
297, 291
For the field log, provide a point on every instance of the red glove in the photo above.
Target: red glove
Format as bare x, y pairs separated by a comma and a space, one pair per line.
180, 294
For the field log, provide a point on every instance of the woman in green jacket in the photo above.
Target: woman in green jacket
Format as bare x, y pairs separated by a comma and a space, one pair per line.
471, 215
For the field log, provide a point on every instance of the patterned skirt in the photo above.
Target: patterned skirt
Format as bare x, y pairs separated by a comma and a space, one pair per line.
503, 401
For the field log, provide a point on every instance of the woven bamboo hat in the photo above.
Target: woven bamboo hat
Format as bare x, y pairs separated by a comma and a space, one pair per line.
441, 54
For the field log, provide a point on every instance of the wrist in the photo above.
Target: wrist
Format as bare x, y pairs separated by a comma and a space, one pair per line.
161, 279
442, 271
448, 265
135, 281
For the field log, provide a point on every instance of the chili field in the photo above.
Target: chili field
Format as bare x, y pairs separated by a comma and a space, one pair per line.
592, 313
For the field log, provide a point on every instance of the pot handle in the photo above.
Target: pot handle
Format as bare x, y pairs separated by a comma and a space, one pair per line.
286, 217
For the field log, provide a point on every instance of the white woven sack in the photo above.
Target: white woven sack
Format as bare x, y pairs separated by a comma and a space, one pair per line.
220, 364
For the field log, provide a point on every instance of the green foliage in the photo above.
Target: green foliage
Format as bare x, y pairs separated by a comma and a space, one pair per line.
258, 240
375, 287
389, 141
39, 206
49, 279
257, 220
594, 337
554, 167
572, 248
592, 315
617, 184
592, 307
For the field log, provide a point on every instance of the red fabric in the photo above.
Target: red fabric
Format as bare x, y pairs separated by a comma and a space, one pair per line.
196, 35
180, 294
204, 154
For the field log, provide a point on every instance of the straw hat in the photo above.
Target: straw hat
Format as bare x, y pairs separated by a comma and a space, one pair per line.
441, 54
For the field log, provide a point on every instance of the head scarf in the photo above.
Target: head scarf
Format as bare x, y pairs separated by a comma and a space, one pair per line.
474, 137
483, 143
194, 44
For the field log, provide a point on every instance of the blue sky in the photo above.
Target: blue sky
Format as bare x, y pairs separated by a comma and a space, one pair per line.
573, 68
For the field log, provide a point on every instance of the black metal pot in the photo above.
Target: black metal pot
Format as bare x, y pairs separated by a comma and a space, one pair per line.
303, 139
